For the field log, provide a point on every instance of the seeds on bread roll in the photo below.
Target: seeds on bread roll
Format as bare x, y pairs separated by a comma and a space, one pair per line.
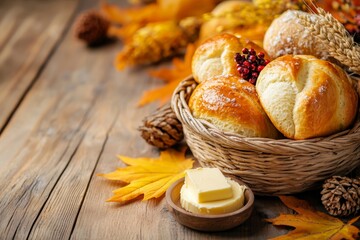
306, 97
232, 105
216, 56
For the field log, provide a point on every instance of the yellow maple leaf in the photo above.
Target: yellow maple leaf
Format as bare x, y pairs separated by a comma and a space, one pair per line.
150, 177
311, 224
172, 76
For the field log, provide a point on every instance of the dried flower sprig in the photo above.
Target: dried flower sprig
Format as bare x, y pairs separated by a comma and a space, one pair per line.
157, 41
331, 33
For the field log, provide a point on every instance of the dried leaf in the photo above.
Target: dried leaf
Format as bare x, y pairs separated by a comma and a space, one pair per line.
180, 70
149, 176
312, 224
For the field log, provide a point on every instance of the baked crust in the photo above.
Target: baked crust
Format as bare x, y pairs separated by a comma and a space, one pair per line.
232, 105
306, 97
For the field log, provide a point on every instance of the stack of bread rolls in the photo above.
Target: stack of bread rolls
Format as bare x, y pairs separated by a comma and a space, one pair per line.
222, 97
300, 96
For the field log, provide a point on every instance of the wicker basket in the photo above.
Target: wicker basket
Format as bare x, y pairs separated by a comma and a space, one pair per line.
268, 166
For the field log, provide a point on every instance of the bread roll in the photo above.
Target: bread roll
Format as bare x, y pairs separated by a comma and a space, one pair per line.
232, 105
216, 56
306, 97
287, 36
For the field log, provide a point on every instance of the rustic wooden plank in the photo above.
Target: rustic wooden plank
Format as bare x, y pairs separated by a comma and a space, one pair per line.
29, 32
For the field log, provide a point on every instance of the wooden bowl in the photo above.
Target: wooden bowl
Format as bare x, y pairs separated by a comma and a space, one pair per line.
208, 223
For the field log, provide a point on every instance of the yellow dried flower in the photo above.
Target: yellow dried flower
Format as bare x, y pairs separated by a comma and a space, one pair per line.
157, 41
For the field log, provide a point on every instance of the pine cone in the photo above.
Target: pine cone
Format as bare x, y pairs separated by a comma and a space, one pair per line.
341, 195
162, 129
91, 27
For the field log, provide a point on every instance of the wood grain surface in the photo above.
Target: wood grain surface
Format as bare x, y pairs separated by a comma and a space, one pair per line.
65, 115
30, 32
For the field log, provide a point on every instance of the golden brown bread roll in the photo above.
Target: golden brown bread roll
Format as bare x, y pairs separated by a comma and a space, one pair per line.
287, 36
232, 105
216, 56
306, 97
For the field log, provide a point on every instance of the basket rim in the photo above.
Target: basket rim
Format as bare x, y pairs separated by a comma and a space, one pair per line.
209, 131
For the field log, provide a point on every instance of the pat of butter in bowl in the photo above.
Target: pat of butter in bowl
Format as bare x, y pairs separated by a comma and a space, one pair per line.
207, 191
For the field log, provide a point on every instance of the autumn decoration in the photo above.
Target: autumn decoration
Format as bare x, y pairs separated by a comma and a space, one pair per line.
157, 41
91, 27
341, 195
311, 224
149, 177
161, 128
346, 12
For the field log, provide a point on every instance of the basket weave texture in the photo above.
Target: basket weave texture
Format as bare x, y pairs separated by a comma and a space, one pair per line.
268, 166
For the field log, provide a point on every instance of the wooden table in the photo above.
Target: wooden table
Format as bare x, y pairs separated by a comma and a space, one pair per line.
65, 115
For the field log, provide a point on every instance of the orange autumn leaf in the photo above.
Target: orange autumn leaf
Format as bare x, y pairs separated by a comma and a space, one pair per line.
179, 9
150, 177
145, 14
162, 10
125, 33
311, 224
173, 76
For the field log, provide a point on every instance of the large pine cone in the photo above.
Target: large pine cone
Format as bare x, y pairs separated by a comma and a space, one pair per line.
341, 195
162, 129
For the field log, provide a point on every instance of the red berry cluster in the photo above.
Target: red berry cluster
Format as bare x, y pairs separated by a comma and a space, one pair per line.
249, 65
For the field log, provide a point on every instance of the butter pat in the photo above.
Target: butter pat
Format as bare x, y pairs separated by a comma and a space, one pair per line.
189, 203
207, 184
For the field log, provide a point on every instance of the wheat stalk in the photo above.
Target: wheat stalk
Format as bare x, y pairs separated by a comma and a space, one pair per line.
331, 33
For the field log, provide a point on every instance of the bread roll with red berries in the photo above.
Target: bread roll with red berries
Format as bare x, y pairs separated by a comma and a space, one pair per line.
216, 56
232, 105
306, 97
287, 36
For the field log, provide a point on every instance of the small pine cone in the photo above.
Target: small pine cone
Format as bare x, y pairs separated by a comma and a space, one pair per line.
91, 27
341, 195
162, 129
